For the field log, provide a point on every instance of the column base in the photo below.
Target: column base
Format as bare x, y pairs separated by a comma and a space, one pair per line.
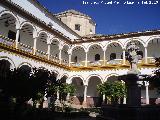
84, 104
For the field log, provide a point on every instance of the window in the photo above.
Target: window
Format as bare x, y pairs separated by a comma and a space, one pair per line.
112, 56
75, 59
140, 53
11, 35
91, 31
97, 57
77, 27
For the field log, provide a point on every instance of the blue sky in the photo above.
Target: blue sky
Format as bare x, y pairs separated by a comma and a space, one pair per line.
113, 18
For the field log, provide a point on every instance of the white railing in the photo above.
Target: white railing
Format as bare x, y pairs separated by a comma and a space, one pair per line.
76, 64
41, 53
115, 62
95, 63
6, 41
25, 47
54, 58
65, 62
151, 60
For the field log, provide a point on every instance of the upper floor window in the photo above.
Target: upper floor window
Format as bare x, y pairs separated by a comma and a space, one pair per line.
140, 53
97, 57
112, 56
91, 31
77, 27
75, 59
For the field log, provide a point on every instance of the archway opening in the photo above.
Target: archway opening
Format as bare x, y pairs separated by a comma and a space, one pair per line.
113, 53
93, 97
95, 55
153, 49
79, 93
42, 43
26, 37
78, 56
64, 54
54, 53
8, 27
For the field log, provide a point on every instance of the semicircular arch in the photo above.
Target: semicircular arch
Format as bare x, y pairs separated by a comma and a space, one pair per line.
13, 66
11, 13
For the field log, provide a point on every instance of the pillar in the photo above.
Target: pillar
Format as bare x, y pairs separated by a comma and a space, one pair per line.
104, 97
86, 60
124, 57
68, 96
49, 51
69, 60
57, 95
35, 46
104, 57
147, 92
85, 94
17, 38
60, 56
145, 58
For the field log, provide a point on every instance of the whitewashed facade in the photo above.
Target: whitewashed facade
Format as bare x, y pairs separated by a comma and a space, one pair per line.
30, 35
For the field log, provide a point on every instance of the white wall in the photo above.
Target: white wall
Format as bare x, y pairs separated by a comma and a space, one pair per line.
32, 8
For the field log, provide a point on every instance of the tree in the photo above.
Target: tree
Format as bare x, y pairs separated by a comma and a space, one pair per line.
155, 79
112, 90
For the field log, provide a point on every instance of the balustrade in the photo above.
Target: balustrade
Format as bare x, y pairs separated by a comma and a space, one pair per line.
41, 53
25, 47
115, 62
6, 41
54, 58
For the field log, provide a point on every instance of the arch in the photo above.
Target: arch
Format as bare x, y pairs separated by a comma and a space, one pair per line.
137, 39
76, 76
15, 16
34, 28
65, 45
79, 92
151, 38
55, 38
65, 74
96, 75
81, 46
56, 72
13, 66
92, 44
112, 74
111, 42
42, 31
24, 63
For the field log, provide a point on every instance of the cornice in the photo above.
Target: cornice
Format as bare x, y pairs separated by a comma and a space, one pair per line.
115, 36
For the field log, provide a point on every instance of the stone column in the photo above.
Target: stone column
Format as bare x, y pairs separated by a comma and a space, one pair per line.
147, 92
124, 57
69, 60
60, 55
145, 58
48, 51
57, 95
104, 97
86, 60
17, 38
85, 96
68, 96
104, 57
35, 46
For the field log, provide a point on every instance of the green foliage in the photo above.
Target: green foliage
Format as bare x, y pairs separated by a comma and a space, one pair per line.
155, 79
67, 88
112, 90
